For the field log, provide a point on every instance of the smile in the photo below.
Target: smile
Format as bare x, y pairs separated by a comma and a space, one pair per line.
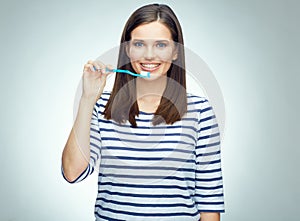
150, 66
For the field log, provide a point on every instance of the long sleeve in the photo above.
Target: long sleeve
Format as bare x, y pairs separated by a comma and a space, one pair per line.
209, 195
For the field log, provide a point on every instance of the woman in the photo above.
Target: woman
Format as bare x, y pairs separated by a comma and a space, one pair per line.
159, 146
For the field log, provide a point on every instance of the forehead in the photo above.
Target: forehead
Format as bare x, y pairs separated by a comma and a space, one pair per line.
153, 30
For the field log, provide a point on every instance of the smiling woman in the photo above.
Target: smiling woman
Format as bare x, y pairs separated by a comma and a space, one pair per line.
158, 146
146, 27
152, 49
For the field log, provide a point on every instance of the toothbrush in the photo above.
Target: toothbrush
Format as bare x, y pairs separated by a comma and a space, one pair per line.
143, 74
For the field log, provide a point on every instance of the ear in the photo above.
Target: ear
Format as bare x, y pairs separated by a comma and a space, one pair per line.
127, 49
175, 54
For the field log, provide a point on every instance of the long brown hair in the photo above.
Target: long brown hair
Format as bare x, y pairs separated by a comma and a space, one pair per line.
122, 104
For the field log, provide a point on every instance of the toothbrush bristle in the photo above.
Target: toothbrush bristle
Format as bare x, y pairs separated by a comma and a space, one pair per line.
145, 74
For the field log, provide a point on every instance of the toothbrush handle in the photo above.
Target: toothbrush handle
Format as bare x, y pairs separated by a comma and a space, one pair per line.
117, 70
123, 71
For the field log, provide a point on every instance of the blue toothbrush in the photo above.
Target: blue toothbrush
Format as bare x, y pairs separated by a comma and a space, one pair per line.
143, 74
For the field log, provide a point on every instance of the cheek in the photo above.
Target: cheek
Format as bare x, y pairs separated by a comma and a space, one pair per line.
165, 55
135, 55
166, 66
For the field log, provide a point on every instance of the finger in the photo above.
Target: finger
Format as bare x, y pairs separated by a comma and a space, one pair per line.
85, 68
102, 68
108, 67
98, 65
94, 65
90, 62
88, 68
93, 69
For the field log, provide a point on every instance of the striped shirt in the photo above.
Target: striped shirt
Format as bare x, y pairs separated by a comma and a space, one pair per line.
163, 172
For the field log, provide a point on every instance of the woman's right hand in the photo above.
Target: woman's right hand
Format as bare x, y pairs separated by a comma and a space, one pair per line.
94, 79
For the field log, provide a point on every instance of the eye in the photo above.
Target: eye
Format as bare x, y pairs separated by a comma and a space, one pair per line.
161, 45
138, 44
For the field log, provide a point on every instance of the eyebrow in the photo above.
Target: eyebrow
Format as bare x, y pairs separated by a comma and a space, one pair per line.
155, 40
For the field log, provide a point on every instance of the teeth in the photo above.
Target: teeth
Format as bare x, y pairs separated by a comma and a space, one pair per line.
150, 65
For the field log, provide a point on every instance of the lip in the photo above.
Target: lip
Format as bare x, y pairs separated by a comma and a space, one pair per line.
152, 69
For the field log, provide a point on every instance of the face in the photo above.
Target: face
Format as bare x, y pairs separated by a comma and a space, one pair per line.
151, 49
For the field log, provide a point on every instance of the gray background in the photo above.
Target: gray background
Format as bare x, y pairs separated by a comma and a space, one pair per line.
252, 47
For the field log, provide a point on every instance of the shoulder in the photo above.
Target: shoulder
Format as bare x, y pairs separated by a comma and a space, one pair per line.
101, 102
196, 102
105, 95
195, 98
201, 108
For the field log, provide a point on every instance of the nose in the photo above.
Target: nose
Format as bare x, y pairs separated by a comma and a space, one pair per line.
149, 53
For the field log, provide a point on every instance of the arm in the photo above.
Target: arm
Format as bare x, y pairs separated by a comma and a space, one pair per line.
209, 182
210, 216
76, 154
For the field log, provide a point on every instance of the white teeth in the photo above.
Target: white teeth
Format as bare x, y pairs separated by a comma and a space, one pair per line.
150, 65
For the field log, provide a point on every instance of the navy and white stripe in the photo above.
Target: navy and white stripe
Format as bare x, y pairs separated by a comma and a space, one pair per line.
163, 172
